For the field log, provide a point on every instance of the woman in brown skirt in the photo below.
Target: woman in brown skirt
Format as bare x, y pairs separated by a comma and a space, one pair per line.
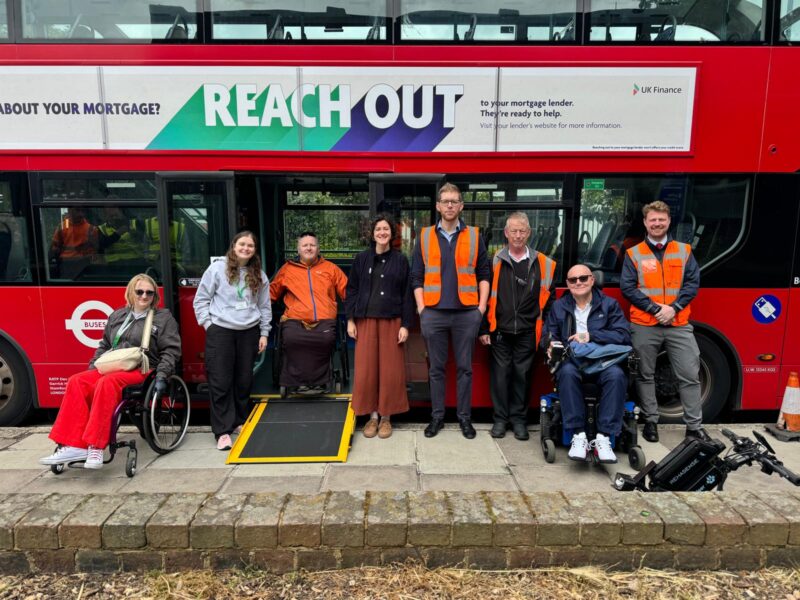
379, 309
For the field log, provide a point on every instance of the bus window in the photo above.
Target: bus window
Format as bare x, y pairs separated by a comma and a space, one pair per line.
15, 254
105, 243
706, 212
111, 20
312, 20
790, 21
3, 21
678, 21
336, 210
493, 21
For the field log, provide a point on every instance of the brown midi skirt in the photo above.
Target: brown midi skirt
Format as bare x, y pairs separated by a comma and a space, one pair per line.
380, 370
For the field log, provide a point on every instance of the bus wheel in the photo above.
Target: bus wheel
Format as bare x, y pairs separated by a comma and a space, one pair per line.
715, 383
15, 388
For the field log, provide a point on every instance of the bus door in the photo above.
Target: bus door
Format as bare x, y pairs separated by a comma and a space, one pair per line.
196, 221
410, 200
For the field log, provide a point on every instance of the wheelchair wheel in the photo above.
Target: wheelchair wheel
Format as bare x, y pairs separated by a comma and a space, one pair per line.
166, 419
130, 463
549, 450
57, 469
636, 458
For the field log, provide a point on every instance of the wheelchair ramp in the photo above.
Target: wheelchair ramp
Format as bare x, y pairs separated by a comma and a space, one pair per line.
291, 430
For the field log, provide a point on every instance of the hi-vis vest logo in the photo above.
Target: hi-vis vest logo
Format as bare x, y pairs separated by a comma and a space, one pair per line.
79, 325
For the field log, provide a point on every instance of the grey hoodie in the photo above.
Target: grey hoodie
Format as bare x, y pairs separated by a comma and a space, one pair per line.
216, 300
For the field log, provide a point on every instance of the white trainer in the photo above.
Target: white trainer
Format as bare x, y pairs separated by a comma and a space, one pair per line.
602, 450
63, 455
579, 447
94, 458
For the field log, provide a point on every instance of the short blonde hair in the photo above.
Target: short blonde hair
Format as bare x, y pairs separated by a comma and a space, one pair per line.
130, 293
656, 206
449, 187
518, 216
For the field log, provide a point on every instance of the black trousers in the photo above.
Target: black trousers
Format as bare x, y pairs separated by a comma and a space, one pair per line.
230, 356
512, 357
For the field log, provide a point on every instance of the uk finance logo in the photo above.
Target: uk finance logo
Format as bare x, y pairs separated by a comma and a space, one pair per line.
656, 90
79, 324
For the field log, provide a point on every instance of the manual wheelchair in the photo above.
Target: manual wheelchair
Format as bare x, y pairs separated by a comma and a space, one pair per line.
161, 421
340, 374
551, 422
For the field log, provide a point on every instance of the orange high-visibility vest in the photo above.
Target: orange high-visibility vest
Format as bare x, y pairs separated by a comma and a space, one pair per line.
660, 281
466, 257
547, 268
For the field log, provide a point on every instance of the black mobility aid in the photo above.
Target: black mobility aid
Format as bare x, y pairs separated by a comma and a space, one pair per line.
339, 363
553, 432
162, 420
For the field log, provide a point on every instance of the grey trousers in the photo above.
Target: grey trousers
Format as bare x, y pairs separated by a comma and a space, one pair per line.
438, 326
684, 356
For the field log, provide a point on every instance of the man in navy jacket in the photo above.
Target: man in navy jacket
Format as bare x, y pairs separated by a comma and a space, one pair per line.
586, 315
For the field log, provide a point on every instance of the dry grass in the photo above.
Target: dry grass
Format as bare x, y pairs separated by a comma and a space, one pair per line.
412, 582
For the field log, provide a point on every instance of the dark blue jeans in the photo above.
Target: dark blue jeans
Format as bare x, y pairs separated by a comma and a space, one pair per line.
612, 381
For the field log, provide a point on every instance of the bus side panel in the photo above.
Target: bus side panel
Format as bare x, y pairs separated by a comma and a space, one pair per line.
791, 347
193, 338
780, 150
747, 322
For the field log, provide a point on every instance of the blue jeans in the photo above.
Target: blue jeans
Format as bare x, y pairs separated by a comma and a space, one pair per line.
612, 381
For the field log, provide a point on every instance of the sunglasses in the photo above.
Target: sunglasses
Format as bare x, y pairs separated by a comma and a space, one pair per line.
147, 293
581, 278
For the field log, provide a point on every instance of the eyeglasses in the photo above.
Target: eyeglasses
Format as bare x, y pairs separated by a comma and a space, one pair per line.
581, 278
450, 202
518, 231
147, 293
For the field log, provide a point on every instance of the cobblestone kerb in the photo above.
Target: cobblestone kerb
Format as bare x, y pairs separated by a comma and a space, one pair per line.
488, 530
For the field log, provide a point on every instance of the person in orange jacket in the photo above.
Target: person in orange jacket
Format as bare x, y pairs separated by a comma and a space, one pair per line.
308, 286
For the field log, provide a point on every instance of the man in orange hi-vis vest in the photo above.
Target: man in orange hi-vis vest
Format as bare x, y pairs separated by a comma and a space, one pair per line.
660, 278
450, 276
522, 285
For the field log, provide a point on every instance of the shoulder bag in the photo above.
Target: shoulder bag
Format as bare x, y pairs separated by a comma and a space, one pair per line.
128, 359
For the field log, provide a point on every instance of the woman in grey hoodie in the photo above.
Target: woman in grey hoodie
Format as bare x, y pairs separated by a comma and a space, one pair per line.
232, 305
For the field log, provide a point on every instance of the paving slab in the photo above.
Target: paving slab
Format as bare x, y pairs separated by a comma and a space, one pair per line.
556, 524
472, 521
175, 480
577, 477
198, 441
247, 485
682, 525
35, 441
13, 509
600, 525
399, 449
387, 519
278, 470
83, 527
19, 479
22, 459
301, 521
207, 458
39, 528
429, 519
343, 521
514, 523
518, 453
450, 453
468, 483
389, 478
214, 524
126, 527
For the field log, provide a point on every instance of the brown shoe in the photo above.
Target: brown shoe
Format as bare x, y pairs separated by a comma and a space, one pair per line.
371, 428
385, 429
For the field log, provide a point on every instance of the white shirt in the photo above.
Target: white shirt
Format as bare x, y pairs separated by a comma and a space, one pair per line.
581, 317
525, 256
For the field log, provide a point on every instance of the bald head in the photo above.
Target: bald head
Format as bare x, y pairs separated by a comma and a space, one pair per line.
580, 282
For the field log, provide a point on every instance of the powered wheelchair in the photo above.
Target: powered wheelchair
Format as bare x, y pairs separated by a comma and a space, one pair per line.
551, 422
161, 420
339, 362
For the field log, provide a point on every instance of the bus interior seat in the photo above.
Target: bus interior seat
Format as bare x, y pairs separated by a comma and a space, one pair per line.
473, 25
602, 241
80, 30
276, 33
179, 30
374, 32
288, 36
667, 30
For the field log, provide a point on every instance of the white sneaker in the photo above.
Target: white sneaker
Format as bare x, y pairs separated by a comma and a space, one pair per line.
94, 459
579, 447
224, 442
64, 454
602, 450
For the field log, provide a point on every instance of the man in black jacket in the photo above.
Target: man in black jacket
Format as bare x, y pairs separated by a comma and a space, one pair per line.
520, 296
585, 315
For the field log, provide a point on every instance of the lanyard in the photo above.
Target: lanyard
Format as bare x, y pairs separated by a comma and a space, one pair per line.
240, 289
125, 326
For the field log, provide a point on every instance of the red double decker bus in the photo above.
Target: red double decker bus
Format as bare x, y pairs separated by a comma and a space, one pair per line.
150, 133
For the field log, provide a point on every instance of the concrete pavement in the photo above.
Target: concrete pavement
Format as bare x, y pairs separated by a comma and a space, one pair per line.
407, 461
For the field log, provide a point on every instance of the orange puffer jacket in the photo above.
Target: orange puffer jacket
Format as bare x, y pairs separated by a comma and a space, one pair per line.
309, 292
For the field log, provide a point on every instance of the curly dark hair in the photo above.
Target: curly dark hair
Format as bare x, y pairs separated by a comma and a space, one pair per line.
253, 276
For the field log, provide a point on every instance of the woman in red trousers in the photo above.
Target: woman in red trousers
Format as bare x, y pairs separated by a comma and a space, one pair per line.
83, 425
